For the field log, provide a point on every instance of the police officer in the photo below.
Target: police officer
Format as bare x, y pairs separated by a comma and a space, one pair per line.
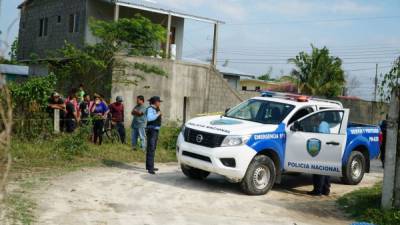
154, 119
321, 183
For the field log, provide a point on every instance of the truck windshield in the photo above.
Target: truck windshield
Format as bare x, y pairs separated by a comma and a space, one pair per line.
261, 111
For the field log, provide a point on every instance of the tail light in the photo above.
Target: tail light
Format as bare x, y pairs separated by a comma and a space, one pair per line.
380, 138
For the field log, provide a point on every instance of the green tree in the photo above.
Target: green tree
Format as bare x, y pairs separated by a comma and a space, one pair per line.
92, 64
390, 81
266, 76
14, 52
138, 34
318, 73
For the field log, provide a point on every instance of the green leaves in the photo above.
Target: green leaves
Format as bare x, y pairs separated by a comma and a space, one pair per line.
390, 81
138, 35
92, 64
33, 94
319, 73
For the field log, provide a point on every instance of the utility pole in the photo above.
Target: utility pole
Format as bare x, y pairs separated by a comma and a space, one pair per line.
1, 1
391, 158
376, 83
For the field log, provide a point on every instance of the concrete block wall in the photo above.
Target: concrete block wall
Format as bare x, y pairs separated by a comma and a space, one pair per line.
220, 95
366, 112
57, 33
204, 88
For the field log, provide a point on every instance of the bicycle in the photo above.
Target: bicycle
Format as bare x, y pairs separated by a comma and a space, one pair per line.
110, 132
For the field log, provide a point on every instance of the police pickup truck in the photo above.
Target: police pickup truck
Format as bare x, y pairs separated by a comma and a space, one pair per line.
257, 141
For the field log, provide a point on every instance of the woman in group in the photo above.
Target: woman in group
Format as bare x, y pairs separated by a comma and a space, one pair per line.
99, 113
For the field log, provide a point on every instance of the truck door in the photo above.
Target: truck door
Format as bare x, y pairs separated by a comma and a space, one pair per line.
316, 142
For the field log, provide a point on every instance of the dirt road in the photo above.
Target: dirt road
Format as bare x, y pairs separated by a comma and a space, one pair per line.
126, 195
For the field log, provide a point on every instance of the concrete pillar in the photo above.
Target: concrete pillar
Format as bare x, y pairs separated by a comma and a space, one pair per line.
168, 40
116, 12
390, 157
215, 45
396, 191
56, 121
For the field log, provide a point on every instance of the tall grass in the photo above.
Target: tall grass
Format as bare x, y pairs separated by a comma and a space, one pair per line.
364, 205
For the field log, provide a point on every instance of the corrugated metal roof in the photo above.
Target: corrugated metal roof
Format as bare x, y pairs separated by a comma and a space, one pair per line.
154, 6
233, 71
14, 69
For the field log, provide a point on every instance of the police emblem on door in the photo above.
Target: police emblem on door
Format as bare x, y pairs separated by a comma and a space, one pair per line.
313, 147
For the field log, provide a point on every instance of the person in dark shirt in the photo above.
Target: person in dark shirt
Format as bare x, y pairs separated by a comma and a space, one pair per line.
117, 117
383, 125
71, 116
56, 102
84, 108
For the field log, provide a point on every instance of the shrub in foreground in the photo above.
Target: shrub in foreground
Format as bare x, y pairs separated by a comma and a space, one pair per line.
364, 205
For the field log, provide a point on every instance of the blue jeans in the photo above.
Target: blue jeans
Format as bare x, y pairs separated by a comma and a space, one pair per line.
139, 133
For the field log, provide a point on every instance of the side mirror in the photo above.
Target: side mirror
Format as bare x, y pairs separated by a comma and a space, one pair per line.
295, 127
227, 110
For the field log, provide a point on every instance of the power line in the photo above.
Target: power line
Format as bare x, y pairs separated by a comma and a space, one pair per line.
360, 51
271, 62
315, 21
289, 55
285, 48
392, 58
371, 68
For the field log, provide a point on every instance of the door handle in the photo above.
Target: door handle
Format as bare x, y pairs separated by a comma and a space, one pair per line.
332, 143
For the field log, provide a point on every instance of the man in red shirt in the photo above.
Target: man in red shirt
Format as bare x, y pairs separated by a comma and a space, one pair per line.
117, 117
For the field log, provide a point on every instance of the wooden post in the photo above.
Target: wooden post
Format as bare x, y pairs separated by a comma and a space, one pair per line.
56, 121
168, 42
116, 13
390, 157
215, 45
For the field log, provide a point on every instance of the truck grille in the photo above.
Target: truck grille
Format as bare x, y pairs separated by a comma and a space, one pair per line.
203, 138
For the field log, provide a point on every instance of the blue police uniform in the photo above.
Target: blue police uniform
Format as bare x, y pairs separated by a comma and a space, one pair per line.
152, 130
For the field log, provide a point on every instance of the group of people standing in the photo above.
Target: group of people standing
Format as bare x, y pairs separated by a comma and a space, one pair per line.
79, 108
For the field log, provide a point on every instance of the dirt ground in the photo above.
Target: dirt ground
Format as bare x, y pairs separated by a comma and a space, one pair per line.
126, 194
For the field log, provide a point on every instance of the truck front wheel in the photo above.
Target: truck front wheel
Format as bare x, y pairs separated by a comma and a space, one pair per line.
355, 168
194, 173
260, 176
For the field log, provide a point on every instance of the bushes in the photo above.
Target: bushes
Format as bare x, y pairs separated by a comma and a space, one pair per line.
71, 145
364, 205
29, 104
168, 136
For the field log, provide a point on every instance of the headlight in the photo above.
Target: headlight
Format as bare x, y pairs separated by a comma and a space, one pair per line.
235, 140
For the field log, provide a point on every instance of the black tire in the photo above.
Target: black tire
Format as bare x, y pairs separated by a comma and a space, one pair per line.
112, 135
194, 173
253, 182
354, 170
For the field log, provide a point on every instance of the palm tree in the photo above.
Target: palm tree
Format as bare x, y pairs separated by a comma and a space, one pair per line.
319, 73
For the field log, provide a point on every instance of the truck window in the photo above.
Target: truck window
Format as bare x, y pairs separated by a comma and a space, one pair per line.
261, 111
301, 113
324, 122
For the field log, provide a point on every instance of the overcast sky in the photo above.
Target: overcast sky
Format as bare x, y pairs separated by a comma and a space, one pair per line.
259, 34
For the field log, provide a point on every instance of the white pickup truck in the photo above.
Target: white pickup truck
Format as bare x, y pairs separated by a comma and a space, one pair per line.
262, 138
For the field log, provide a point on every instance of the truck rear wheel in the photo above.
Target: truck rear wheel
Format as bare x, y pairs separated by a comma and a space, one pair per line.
260, 176
194, 173
355, 168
